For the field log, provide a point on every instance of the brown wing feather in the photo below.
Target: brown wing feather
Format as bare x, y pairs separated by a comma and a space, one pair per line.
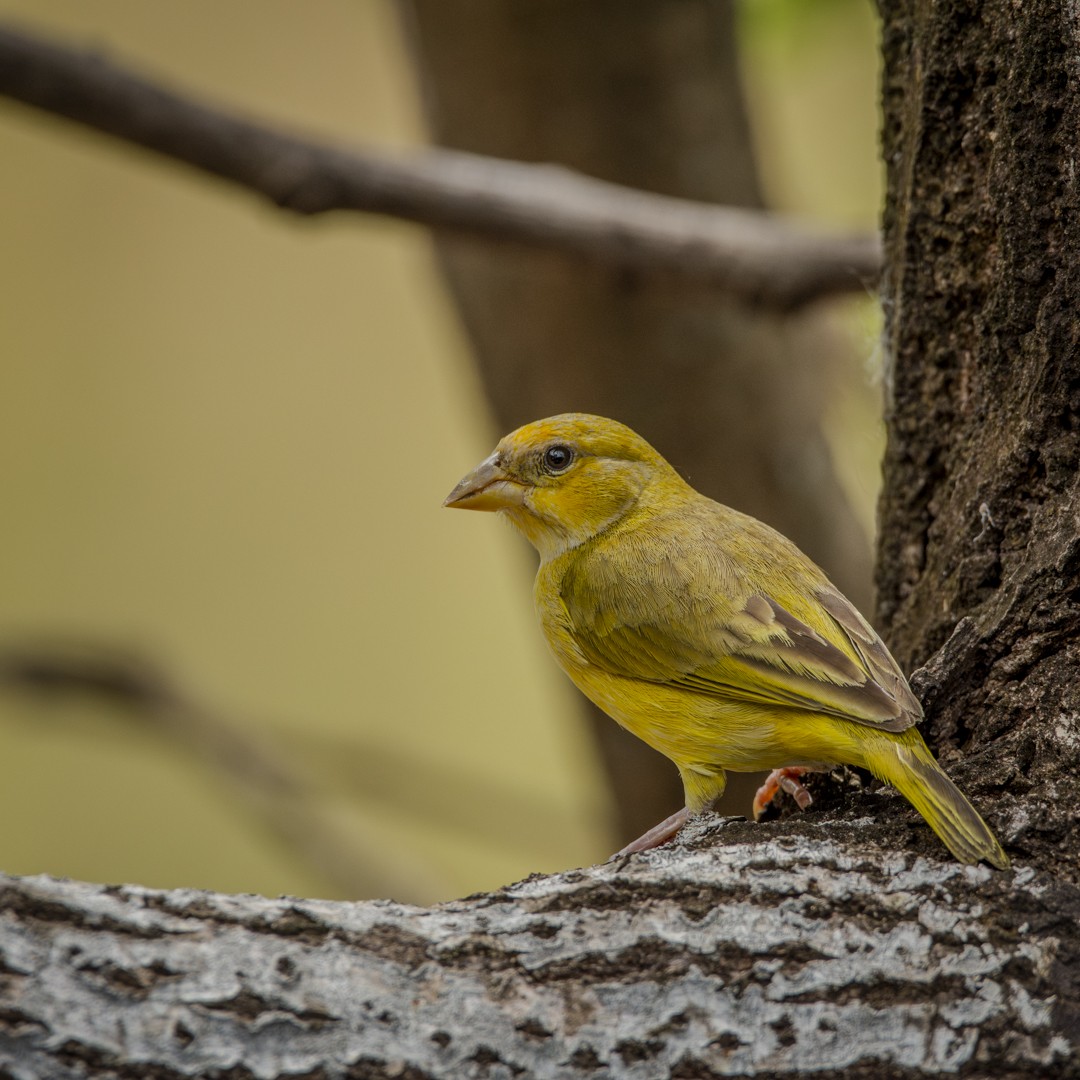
762, 655
876, 659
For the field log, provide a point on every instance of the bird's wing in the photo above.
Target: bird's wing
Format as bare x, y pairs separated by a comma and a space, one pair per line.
756, 651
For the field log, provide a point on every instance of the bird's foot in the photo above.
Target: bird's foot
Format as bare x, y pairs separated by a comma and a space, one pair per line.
785, 780
657, 835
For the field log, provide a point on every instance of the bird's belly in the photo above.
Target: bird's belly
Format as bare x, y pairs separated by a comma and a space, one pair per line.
697, 729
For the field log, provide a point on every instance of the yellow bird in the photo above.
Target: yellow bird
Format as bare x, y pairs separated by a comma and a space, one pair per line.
704, 632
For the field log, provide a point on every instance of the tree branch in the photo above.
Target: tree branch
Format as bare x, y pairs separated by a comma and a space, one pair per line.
759, 258
777, 958
265, 780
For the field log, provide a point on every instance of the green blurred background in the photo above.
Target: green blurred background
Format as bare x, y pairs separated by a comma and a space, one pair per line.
224, 440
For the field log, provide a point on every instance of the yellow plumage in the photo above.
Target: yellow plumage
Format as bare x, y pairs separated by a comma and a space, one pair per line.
704, 632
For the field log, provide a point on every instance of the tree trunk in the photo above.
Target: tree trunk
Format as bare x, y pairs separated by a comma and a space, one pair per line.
646, 95
980, 517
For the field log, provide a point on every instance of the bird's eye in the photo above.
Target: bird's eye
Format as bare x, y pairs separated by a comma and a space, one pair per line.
557, 458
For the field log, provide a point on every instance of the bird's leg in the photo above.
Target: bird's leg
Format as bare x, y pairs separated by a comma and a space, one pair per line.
786, 780
657, 835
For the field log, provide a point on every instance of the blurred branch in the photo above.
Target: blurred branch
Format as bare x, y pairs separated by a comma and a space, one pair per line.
757, 257
268, 773
361, 863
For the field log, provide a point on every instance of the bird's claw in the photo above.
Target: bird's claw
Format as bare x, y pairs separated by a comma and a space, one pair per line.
782, 780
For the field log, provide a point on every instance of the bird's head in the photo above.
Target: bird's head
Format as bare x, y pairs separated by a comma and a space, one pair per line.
565, 479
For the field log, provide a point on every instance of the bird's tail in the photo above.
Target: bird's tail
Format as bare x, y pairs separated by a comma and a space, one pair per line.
907, 764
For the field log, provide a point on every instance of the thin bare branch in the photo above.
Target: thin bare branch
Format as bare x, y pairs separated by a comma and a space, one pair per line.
360, 861
757, 257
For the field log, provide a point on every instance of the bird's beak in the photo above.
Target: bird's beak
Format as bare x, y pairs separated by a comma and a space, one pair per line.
487, 487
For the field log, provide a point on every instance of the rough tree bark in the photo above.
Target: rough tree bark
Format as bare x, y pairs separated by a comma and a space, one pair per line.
646, 95
764, 958
841, 942
980, 517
